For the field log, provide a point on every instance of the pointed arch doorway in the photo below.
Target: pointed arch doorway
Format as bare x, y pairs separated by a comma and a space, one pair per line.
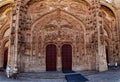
66, 57
51, 57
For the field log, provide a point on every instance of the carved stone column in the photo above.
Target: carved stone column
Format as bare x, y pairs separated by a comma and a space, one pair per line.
13, 45
1, 55
59, 59
101, 46
118, 16
118, 22
101, 62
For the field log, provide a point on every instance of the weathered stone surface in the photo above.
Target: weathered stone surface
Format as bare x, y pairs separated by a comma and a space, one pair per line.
89, 27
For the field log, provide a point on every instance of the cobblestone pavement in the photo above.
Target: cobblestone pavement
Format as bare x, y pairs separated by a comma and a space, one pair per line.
109, 76
3, 78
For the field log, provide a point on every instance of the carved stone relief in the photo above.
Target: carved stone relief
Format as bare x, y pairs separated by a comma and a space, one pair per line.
59, 22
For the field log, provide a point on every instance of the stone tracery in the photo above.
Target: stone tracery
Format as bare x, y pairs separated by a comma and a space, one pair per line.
60, 29
83, 26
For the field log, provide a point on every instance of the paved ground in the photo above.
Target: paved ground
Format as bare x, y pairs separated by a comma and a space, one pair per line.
109, 76
4, 79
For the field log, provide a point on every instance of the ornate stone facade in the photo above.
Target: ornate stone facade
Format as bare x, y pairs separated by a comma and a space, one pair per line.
89, 27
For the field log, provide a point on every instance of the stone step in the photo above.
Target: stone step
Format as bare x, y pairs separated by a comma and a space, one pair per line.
45, 75
52, 75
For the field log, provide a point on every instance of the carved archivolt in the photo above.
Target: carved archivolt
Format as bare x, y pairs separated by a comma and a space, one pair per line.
58, 25
59, 22
41, 8
58, 28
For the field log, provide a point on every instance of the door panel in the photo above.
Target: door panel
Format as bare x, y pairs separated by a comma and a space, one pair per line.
5, 58
51, 58
66, 57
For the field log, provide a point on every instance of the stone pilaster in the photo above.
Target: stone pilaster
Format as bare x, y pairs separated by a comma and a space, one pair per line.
59, 60
13, 44
118, 16
1, 54
101, 63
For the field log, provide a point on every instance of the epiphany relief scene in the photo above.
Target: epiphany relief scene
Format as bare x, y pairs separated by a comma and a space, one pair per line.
59, 35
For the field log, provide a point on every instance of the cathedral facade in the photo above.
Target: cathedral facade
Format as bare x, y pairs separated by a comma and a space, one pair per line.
58, 35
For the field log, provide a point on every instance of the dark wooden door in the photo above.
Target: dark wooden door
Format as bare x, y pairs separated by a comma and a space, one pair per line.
5, 58
51, 58
107, 54
66, 57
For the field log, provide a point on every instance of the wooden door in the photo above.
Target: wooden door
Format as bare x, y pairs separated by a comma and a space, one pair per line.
5, 58
66, 57
51, 57
107, 54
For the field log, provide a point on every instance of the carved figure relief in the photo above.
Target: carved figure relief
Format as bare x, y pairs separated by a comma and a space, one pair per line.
60, 22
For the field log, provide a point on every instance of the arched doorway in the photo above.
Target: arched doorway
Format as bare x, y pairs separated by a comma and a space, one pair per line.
51, 57
107, 55
5, 58
66, 57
